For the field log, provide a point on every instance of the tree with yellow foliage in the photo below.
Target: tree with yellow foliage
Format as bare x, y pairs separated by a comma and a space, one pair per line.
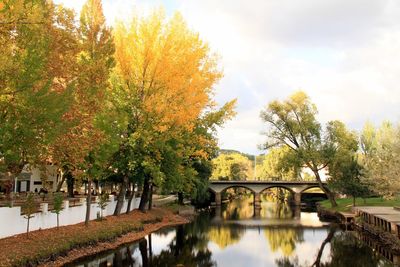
163, 82
233, 166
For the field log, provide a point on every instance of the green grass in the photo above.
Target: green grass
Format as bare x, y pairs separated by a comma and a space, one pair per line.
345, 204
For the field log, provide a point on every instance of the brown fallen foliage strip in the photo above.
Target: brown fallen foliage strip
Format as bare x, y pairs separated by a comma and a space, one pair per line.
55, 247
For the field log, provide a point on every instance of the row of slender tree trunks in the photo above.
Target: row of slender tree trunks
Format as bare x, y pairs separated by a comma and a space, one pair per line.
126, 191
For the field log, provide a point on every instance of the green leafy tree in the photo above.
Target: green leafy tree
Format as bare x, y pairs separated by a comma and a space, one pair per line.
344, 170
29, 208
58, 206
273, 166
347, 178
381, 158
34, 89
292, 123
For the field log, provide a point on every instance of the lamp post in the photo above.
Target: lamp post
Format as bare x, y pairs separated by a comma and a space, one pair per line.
255, 166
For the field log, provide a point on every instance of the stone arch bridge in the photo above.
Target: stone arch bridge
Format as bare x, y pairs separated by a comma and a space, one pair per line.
257, 187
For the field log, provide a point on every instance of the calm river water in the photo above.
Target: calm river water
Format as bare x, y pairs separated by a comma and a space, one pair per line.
233, 236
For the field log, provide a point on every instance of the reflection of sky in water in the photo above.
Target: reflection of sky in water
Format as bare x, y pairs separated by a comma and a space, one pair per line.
161, 241
253, 249
310, 219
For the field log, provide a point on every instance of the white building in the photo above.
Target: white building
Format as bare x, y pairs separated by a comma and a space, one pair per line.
31, 179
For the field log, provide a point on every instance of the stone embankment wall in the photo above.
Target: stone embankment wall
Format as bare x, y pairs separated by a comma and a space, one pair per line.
12, 222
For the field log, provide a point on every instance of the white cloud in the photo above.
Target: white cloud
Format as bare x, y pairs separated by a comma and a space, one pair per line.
343, 53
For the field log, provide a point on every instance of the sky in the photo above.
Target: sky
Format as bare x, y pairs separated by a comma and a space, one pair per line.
345, 54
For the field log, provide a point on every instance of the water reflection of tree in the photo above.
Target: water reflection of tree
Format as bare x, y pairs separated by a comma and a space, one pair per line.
287, 262
184, 250
284, 239
345, 250
278, 210
241, 208
224, 236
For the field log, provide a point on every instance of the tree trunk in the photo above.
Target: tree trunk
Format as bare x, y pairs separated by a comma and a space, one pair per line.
60, 184
150, 195
58, 220
27, 227
70, 184
326, 190
121, 196
131, 197
180, 198
145, 195
96, 187
88, 201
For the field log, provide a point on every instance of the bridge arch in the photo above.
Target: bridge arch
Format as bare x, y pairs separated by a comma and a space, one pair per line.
310, 187
278, 186
220, 189
238, 186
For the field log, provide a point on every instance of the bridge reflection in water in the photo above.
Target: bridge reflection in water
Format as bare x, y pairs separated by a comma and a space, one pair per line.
242, 210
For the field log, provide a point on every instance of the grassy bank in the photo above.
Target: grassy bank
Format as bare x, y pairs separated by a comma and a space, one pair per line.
345, 204
45, 245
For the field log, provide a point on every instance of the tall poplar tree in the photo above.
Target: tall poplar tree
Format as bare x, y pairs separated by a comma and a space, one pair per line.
163, 81
95, 62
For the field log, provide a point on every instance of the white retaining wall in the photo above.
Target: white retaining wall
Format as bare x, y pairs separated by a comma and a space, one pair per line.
12, 222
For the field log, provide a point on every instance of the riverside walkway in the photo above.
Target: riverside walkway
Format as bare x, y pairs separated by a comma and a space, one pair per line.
384, 218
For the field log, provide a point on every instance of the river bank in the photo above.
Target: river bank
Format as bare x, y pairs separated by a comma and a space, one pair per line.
350, 220
56, 247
